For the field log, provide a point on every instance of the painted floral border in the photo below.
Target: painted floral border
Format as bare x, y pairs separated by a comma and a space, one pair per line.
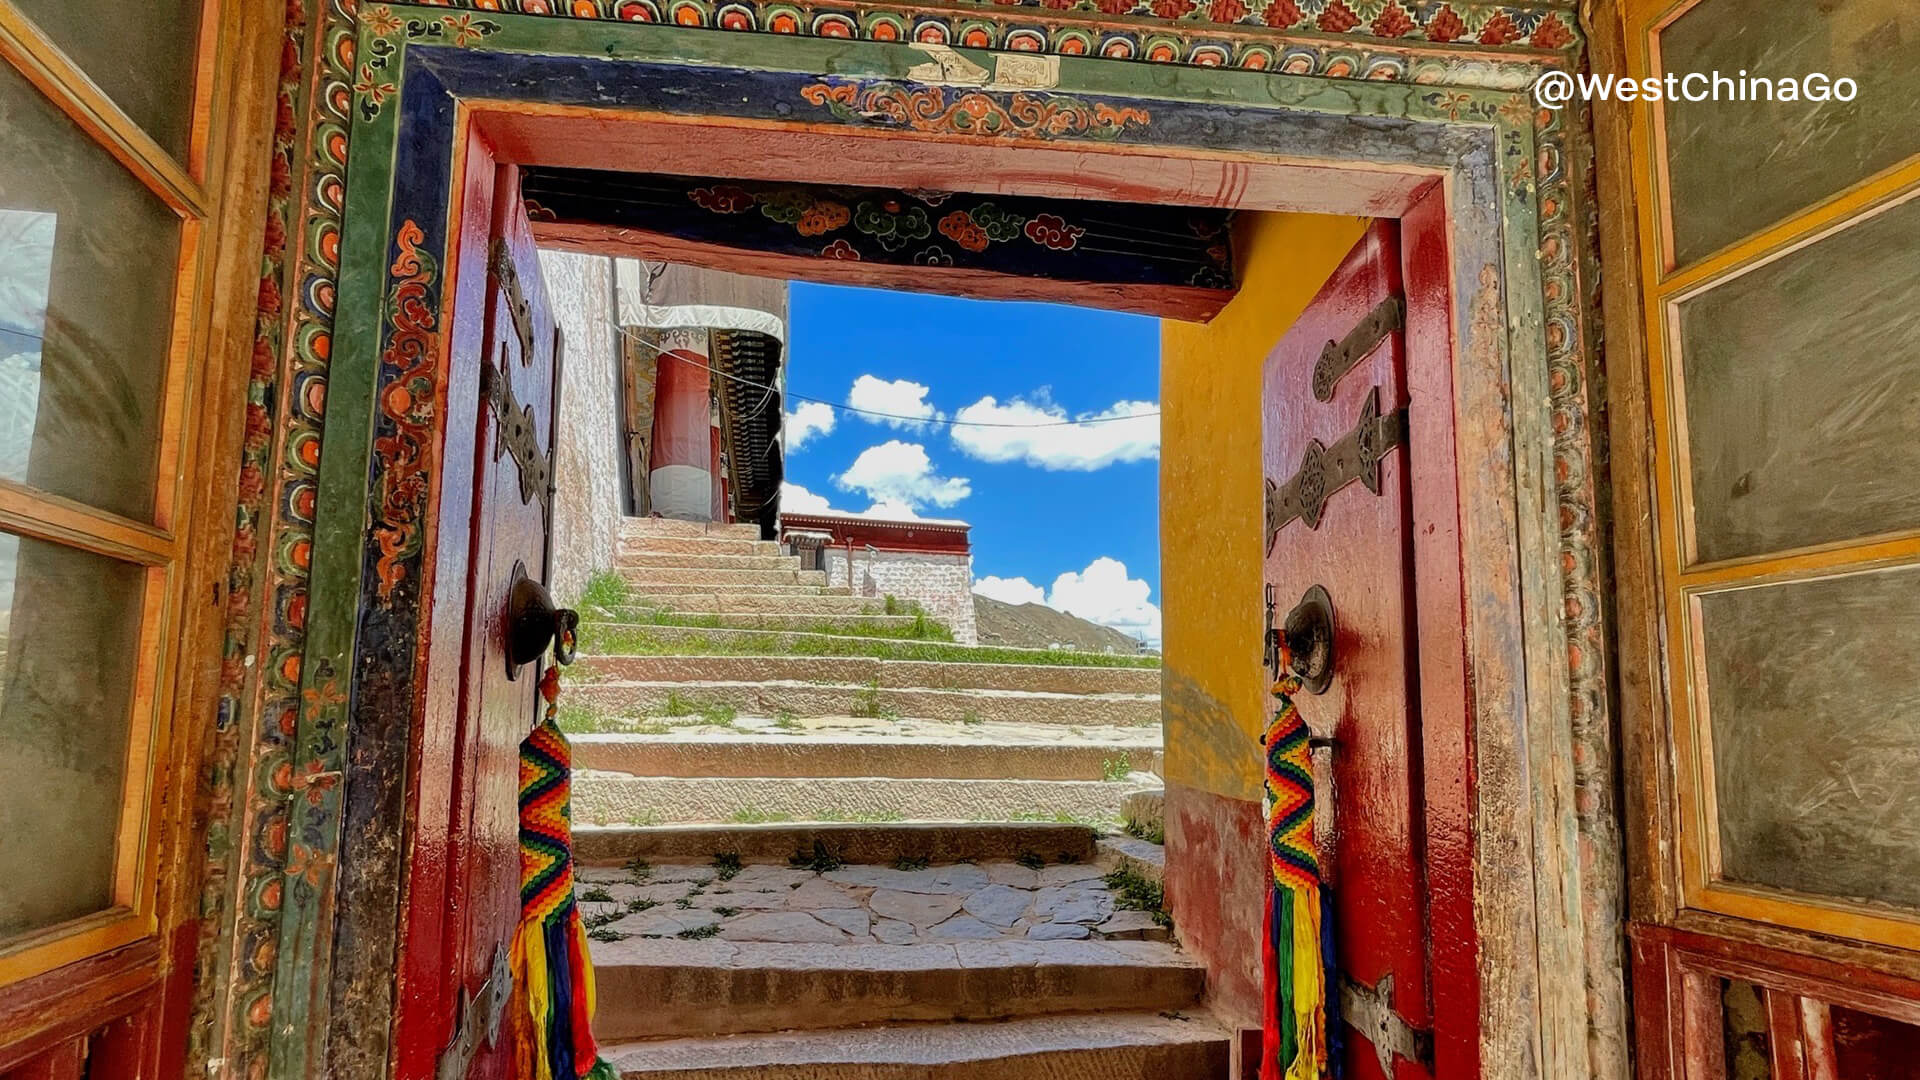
249, 770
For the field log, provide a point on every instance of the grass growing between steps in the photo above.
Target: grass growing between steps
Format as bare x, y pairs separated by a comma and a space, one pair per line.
605, 589
626, 639
1134, 892
920, 629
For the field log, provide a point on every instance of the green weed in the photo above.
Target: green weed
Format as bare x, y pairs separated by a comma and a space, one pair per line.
926, 639
869, 705
726, 912
1032, 860
820, 860
788, 720
577, 719
640, 869
601, 933
1153, 832
726, 865
605, 589
1135, 892
597, 894
748, 815
699, 933
639, 904
1115, 769
911, 862
858, 817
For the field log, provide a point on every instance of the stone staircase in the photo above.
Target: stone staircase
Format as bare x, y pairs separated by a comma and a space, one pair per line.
887, 952
724, 684
820, 842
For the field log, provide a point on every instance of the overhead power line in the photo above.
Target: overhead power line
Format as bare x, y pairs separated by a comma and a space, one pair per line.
644, 343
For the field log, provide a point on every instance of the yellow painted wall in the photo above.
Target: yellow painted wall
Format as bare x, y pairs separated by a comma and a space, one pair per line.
1212, 511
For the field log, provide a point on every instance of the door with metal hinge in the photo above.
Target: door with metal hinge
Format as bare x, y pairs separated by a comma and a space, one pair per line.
1339, 552
496, 500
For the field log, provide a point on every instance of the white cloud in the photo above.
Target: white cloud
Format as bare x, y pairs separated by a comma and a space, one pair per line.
1010, 590
891, 509
810, 419
795, 499
1102, 593
900, 472
1082, 447
904, 399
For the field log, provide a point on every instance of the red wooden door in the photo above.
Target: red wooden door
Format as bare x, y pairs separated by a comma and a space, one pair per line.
470, 905
1339, 512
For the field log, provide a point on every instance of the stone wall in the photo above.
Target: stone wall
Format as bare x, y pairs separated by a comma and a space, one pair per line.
940, 583
587, 504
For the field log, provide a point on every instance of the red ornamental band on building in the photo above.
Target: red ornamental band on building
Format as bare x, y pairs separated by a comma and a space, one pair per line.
923, 563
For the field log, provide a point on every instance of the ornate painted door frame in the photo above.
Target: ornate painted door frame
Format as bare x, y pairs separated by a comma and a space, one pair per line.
427, 80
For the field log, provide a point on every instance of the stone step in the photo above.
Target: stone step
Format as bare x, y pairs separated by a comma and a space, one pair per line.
677, 560
698, 545
803, 643
720, 578
757, 590
650, 988
637, 528
615, 798
882, 843
768, 698
905, 750
731, 597
1040, 678
707, 618
1098, 1046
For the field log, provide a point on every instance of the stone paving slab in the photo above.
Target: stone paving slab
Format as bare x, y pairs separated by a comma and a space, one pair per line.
996, 902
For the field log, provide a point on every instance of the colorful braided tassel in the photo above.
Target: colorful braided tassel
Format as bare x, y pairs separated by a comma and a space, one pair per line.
552, 972
1295, 1029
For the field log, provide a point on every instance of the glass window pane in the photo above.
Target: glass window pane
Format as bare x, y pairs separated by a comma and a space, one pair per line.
1803, 394
69, 643
86, 293
1736, 167
143, 57
1813, 697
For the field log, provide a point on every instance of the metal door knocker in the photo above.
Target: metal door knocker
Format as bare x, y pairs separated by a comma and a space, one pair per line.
534, 623
1304, 643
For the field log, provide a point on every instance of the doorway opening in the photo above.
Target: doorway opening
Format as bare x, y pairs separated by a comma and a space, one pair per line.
1183, 149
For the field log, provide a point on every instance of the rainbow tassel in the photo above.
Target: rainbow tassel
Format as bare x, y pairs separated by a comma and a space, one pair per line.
1295, 1035
552, 971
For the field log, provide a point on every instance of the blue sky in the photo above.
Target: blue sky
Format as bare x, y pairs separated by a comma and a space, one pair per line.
1043, 501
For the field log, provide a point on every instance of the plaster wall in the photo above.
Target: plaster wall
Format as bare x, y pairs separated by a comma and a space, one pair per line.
587, 503
1212, 524
1212, 509
943, 584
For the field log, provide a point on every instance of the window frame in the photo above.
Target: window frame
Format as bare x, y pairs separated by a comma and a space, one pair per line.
1680, 578
161, 547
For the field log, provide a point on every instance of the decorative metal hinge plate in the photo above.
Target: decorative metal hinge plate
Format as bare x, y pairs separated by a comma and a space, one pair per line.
478, 1021
516, 434
1326, 469
1339, 357
500, 264
1369, 1011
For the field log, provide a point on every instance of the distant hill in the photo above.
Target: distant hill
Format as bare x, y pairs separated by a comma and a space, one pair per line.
1036, 626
